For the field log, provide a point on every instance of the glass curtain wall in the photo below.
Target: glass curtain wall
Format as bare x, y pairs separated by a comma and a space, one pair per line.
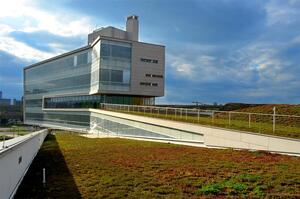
94, 101
67, 73
70, 73
68, 119
115, 66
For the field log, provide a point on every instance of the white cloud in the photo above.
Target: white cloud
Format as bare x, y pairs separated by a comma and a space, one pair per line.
24, 15
196, 68
256, 64
282, 12
5, 29
181, 66
22, 50
36, 19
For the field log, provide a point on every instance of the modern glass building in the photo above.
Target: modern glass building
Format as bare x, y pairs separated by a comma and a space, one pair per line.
114, 67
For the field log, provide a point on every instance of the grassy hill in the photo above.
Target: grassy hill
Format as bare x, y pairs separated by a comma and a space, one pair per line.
288, 126
282, 109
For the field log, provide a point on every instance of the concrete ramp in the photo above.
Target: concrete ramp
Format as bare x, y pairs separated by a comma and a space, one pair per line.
209, 136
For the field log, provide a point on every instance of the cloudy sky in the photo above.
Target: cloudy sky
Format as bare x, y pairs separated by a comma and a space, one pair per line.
216, 50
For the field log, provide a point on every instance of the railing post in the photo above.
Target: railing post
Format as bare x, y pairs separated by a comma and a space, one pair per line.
44, 177
175, 113
212, 117
229, 117
166, 112
186, 114
249, 120
274, 119
259, 123
3, 142
198, 115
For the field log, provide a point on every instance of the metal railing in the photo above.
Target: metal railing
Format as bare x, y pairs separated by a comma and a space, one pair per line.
274, 124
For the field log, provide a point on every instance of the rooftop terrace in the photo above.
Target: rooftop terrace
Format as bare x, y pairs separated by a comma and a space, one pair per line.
99, 168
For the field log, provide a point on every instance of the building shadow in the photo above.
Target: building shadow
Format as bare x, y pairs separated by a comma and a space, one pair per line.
59, 180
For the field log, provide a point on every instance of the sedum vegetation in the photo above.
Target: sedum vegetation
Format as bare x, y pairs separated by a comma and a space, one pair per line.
79, 167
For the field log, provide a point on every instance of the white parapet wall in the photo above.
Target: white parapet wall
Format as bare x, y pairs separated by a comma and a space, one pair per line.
218, 137
16, 156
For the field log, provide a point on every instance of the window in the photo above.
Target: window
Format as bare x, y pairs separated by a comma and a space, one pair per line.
159, 76
117, 76
105, 50
145, 83
104, 75
33, 103
68, 61
115, 50
149, 60
120, 76
115, 65
121, 51
75, 61
148, 84
82, 59
145, 60
126, 76
154, 75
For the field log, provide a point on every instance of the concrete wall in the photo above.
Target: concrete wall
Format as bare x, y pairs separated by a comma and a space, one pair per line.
15, 160
107, 32
140, 69
131, 32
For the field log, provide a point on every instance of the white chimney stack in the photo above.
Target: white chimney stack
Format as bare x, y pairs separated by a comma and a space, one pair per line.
132, 27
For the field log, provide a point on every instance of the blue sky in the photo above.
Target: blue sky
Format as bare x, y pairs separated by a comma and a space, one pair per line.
216, 50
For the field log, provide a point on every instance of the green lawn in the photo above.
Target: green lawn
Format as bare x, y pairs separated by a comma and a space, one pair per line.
5, 137
262, 124
118, 168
